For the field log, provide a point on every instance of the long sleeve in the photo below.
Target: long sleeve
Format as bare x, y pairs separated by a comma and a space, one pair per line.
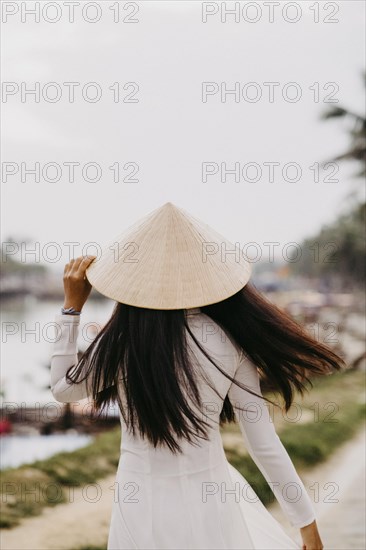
266, 448
65, 354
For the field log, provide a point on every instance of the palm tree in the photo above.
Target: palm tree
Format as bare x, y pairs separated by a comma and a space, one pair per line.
346, 262
357, 148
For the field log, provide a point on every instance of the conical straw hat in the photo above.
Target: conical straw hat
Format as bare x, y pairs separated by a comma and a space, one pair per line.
169, 260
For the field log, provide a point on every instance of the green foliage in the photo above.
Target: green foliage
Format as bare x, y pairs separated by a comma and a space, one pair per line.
312, 442
25, 491
10, 266
338, 249
357, 147
85, 465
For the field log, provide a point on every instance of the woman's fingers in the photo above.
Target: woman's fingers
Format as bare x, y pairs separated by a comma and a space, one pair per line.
78, 266
84, 262
68, 266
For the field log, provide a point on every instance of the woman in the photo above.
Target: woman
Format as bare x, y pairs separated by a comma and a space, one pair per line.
180, 364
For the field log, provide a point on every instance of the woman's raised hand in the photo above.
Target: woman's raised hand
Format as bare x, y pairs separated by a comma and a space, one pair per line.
76, 286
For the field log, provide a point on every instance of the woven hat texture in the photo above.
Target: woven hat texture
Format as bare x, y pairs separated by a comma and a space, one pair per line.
169, 260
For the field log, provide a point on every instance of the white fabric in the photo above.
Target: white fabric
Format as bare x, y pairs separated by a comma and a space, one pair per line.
197, 499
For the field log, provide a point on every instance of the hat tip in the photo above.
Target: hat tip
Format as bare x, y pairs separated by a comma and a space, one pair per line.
169, 205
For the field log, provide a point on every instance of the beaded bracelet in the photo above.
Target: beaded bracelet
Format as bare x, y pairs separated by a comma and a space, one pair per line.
70, 311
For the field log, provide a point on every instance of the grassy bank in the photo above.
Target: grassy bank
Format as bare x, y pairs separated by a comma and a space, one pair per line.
324, 419
330, 415
28, 488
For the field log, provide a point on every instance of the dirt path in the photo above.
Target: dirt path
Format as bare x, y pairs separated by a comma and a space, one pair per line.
85, 520
341, 523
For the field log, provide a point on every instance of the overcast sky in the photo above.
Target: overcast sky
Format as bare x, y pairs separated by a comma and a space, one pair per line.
163, 128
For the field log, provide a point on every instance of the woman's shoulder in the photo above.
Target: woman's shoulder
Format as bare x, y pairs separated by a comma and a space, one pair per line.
212, 335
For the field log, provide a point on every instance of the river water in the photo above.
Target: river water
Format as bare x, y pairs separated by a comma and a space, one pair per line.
28, 336
24, 449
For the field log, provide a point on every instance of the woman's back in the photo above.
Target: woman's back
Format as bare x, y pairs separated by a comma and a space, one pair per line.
180, 495
165, 500
139, 453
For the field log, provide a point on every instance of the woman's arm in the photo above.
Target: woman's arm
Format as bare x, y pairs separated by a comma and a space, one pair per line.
266, 448
65, 352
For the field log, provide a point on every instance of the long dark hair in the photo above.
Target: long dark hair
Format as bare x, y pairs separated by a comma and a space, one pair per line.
147, 351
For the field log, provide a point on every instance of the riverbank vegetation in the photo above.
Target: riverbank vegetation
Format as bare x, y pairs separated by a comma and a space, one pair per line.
311, 431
